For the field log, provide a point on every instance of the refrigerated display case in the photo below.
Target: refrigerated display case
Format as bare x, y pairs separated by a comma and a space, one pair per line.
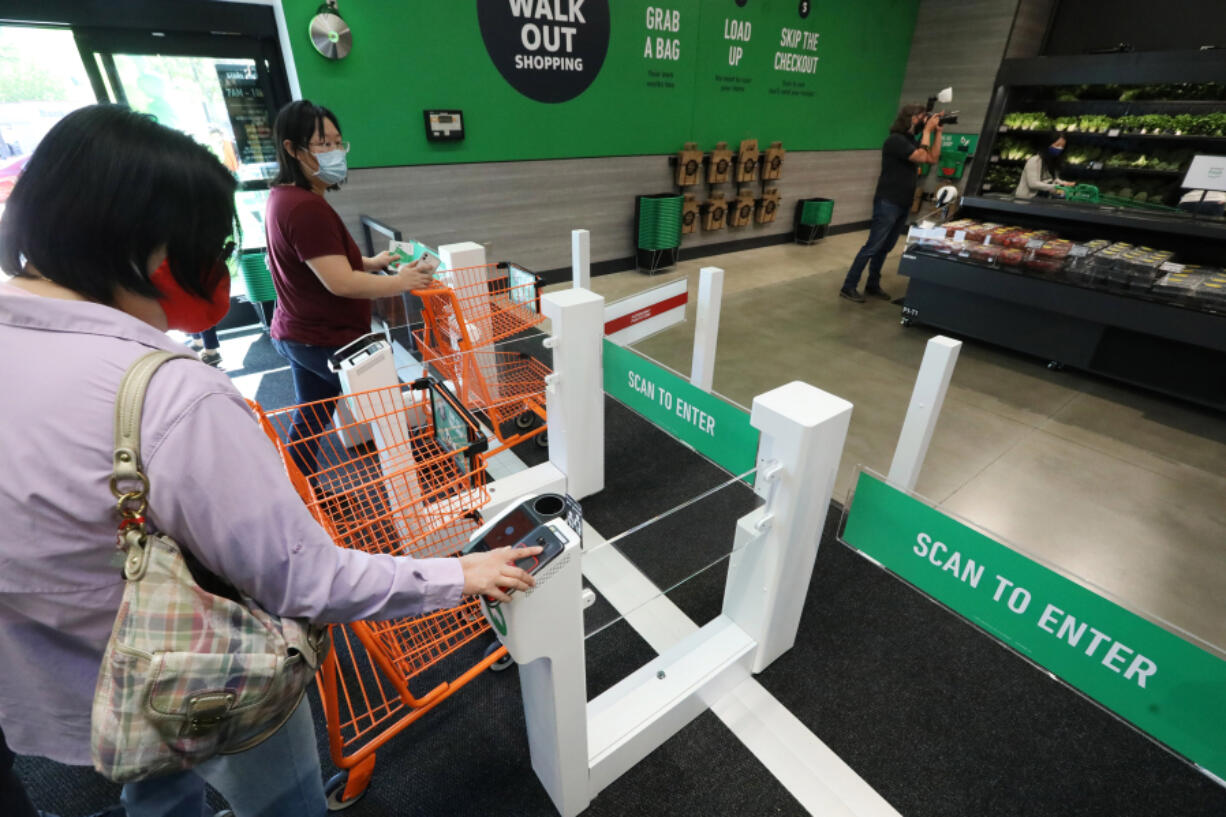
1116, 279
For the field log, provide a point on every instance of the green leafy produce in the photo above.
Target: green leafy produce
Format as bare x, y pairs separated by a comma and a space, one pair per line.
1110, 92
1001, 179
1011, 148
1028, 120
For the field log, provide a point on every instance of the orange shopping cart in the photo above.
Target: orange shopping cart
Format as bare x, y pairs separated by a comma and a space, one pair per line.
414, 489
467, 320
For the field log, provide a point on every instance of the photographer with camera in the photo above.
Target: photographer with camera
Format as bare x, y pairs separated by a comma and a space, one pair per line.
900, 155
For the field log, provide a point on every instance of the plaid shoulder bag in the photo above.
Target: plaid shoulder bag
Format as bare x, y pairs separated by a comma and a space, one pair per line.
188, 673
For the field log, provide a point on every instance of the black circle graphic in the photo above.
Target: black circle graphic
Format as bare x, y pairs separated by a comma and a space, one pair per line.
805, 8
688, 218
770, 207
776, 162
691, 167
718, 214
745, 210
741, 3
546, 59
721, 167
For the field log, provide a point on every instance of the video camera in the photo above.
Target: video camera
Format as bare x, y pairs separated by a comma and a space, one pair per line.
944, 96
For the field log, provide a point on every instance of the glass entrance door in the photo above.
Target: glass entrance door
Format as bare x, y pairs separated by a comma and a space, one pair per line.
217, 89
42, 79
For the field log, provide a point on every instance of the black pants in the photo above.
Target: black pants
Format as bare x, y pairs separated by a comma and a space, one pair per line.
13, 799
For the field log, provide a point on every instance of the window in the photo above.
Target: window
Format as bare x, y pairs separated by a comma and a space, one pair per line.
42, 78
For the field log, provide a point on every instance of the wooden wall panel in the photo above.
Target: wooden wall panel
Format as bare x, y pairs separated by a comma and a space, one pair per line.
524, 211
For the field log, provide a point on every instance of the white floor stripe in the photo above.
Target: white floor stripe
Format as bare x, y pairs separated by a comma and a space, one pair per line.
807, 768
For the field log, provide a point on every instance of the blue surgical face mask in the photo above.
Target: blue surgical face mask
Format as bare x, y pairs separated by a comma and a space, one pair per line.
333, 166
1055, 151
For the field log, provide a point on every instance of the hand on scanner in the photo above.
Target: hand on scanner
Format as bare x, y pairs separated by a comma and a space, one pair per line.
488, 572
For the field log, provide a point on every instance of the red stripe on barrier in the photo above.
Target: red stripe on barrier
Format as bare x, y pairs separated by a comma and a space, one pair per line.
650, 311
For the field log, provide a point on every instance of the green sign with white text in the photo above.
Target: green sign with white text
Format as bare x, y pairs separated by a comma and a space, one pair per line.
550, 79
713, 427
1152, 678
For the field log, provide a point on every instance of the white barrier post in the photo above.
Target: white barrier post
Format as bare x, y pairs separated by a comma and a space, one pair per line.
926, 399
706, 326
574, 393
803, 431
581, 258
543, 631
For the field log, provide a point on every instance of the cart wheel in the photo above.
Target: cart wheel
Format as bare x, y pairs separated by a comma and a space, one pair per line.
502, 663
1055, 365
905, 321
334, 790
542, 439
525, 421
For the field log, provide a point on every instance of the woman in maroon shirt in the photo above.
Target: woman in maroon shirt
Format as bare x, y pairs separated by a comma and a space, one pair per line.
323, 284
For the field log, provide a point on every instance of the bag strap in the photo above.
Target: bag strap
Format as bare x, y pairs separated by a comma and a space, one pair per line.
131, 502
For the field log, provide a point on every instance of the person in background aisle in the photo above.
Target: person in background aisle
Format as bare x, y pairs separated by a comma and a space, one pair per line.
208, 346
323, 283
1041, 175
900, 154
98, 281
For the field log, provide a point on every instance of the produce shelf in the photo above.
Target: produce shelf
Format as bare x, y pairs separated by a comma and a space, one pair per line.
1177, 351
1118, 169
1079, 134
1101, 215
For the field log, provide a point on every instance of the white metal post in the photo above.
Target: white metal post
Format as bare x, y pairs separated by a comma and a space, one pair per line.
803, 431
706, 326
937, 368
543, 631
581, 258
574, 400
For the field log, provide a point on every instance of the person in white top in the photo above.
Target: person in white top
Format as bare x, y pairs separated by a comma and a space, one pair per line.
1042, 171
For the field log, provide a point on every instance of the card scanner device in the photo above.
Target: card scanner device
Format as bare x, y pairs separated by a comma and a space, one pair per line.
550, 521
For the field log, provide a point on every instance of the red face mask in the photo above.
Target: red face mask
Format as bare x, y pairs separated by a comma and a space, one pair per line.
186, 311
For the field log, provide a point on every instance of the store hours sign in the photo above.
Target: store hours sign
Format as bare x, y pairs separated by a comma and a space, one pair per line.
548, 50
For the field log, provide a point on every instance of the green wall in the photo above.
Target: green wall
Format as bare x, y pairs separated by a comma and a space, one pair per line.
414, 54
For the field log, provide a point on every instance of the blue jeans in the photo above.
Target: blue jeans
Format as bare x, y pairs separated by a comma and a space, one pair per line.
888, 222
281, 776
312, 381
209, 338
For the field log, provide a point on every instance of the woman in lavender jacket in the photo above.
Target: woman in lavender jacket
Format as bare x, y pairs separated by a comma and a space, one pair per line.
118, 230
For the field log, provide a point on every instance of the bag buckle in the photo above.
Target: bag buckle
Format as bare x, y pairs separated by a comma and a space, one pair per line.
206, 710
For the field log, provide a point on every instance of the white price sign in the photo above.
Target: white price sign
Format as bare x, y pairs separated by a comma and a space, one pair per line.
1206, 173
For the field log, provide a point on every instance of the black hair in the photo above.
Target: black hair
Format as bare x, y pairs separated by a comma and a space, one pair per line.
298, 122
1052, 164
902, 122
107, 187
